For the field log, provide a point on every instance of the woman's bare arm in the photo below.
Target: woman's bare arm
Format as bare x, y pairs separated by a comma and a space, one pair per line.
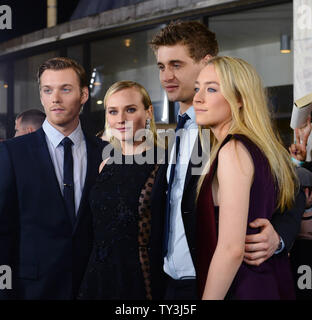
235, 174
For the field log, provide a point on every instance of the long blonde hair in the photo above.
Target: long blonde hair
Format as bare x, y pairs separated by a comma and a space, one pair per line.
146, 100
241, 86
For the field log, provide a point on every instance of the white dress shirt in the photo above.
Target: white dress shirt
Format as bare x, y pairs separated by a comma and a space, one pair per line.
79, 151
178, 262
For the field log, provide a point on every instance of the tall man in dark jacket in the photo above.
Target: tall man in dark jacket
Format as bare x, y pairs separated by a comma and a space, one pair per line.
181, 50
45, 220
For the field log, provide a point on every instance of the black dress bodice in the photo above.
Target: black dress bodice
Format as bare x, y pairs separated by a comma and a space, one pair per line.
118, 266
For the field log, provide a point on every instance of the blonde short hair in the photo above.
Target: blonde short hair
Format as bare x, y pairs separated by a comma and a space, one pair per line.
146, 100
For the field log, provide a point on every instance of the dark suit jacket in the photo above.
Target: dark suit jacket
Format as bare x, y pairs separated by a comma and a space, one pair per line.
48, 255
308, 165
286, 224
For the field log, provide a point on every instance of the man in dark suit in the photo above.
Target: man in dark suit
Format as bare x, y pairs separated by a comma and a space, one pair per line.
181, 50
45, 220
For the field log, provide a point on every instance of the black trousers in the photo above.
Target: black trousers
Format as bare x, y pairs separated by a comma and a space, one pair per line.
181, 289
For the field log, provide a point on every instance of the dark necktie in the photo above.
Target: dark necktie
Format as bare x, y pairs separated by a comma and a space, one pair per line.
181, 122
68, 178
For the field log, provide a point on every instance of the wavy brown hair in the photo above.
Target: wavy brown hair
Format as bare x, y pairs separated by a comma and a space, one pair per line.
199, 40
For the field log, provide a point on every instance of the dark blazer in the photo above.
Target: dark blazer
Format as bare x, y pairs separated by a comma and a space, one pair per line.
308, 165
286, 224
47, 254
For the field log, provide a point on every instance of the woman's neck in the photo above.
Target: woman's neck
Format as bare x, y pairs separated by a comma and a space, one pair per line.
221, 131
130, 148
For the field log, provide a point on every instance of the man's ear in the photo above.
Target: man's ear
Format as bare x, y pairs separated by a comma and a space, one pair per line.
84, 95
30, 129
207, 58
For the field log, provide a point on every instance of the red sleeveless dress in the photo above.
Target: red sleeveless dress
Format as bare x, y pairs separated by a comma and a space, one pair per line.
272, 280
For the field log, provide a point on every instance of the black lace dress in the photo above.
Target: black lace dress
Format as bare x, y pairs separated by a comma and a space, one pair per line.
119, 266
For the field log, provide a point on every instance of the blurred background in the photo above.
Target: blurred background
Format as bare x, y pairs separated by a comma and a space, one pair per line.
110, 39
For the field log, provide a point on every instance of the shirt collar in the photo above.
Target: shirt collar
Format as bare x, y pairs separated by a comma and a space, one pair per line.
191, 113
56, 136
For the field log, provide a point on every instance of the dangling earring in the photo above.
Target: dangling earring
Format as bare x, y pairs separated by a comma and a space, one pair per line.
148, 124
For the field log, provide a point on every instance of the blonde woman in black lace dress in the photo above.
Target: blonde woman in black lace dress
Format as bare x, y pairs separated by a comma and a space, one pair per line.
119, 266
